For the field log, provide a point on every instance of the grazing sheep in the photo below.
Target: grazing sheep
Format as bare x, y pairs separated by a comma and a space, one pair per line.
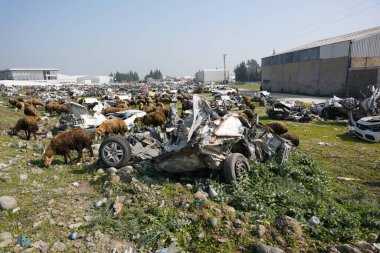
149, 108
246, 99
244, 119
112, 126
112, 110
294, 138
36, 102
73, 139
251, 106
28, 124
148, 100
13, 102
166, 100
31, 111
278, 127
250, 114
160, 106
154, 118
20, 105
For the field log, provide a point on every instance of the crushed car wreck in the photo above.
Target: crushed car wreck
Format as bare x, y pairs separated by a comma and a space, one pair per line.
203, 139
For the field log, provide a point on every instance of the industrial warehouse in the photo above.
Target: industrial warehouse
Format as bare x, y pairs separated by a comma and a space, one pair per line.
340, 66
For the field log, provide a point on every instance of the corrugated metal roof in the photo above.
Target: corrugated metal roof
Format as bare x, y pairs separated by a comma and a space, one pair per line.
351, 36
37, 69
366, 47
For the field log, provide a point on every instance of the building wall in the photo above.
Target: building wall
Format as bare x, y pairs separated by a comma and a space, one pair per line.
365, 62
323, 77
208, 76
360, 78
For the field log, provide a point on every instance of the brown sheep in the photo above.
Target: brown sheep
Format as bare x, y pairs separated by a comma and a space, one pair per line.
246, 99
294, 138
28, 124
111, 126
250, 114
160, 106
278, 127
149, 108
251, 106
31, 111
73, 139
112, 110
154, 118
244, 119
20, 105
13, 102
148, 100
35, 102
166, 100
49, 107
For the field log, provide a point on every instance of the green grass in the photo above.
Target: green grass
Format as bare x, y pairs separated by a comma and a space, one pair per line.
348, 209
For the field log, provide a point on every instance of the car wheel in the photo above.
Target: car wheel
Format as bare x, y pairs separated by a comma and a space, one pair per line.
115, 151
234, 166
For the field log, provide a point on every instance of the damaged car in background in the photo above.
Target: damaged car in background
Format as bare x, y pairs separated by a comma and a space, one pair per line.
288, 110
202, 140
364, 115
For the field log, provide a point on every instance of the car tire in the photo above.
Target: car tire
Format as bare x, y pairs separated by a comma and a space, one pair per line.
115, 151
234, 166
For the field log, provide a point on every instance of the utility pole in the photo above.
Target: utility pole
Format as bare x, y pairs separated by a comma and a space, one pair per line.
224, 62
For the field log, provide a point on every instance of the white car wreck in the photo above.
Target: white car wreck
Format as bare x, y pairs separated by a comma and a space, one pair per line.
203, 140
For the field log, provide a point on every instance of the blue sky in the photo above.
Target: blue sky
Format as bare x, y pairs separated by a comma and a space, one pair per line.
179, 37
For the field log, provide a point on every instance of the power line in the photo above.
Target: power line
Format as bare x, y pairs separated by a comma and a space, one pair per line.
324, 26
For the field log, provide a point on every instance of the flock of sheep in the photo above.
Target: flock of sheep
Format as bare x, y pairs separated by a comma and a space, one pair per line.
78, 139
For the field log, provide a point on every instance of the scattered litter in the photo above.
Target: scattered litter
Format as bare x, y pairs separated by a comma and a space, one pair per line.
73, 236
198, 202
16, 210
347, 179
117, 206
314, 221
211, 192
76, 184
24, 241
100, 202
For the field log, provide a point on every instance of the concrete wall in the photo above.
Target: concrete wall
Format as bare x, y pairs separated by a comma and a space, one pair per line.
360, 78
325, 77
365, 62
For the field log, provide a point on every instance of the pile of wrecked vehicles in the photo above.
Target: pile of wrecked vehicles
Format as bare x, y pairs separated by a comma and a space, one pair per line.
201, 140
362, 115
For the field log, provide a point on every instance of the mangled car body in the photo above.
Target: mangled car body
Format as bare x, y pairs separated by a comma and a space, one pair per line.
202, 140
288, 110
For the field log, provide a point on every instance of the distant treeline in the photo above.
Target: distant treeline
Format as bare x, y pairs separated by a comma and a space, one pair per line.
156, 75
248, 72
130, 76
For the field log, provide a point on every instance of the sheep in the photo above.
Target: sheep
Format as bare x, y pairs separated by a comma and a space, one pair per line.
111, 126
244, 120
20, 105
28, 124
251, 106
278, 127
246, 99
31, 111
74, 139
36, 102
153, 118
149, 108
249, 113
111, 110
149, 100
55, 107
294, 138
13, 102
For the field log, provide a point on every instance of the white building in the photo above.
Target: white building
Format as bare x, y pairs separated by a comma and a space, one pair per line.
29, 74
212, 75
